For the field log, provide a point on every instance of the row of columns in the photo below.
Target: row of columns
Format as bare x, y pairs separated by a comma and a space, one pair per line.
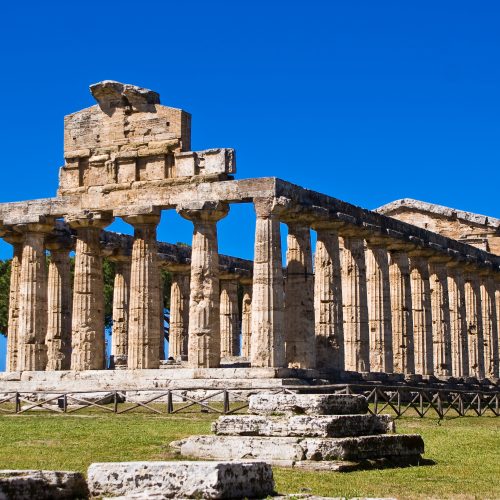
369, 305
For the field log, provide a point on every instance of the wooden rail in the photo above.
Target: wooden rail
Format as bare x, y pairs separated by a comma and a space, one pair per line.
400, 400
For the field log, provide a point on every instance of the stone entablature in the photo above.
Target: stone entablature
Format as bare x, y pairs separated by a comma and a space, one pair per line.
474, 229
382, 295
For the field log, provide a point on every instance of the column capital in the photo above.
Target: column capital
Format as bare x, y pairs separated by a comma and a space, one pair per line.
203, 211
98, 220
152, 219
13, 238
35, 227
271, 208
59, 244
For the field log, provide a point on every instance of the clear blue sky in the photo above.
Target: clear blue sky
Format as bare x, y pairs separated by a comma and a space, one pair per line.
366, 101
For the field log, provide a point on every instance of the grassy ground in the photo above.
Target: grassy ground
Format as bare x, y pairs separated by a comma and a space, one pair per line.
466, 452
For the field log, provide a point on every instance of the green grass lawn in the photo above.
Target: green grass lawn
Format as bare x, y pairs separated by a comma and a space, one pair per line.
466, 452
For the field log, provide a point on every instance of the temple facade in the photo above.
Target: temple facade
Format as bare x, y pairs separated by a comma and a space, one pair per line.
376, 294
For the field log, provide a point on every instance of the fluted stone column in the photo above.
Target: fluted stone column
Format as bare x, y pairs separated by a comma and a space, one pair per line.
490, 325
33, 298
441, 334
474, 323
422, 314
88, 343
13, 325
355, 303
458, 322
268, 343
144, 316
161, 313
379, 307
204, 305
300, 345
229, 322
402, 318
329, 323
246, 318
121, 298
59, 305
179, 316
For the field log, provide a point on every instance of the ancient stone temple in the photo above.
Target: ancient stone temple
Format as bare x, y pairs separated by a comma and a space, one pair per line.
376, 294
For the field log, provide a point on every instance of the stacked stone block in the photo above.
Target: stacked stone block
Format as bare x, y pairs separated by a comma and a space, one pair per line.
319, 431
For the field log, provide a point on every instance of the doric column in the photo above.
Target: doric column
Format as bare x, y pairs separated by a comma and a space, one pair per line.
59, 305
354, 295
144, 315
161, 312
204, 305
458, 322
379, 306
401, 307
300, 345
246, 317
121, 298
33, 298
329, 323
13, 325
422, 314
88, 346
441, 335
474, 323
179, 316
490, 324
268, 343
229, 323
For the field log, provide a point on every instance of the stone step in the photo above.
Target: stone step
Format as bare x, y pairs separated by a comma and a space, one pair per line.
181, 479
307, 404
303, 425
42, 484
391, 446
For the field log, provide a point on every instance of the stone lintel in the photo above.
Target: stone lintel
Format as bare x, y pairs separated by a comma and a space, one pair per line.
41, 227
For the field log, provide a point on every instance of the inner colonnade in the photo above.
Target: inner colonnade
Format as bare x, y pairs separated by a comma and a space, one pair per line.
375, 294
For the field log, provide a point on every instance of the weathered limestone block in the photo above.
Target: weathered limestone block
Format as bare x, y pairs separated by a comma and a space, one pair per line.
422, 317
297, 448
144, 315
268, 343
441, 334
13, 325
302, 425
208, 162
32, 321
458, 322
204, 303
59, 305
179, 316
355, 304
246, 319
88, 295
379, 307
300, 349
182, 479
42, 485
329, 325
229, 324
121, 297
307, 404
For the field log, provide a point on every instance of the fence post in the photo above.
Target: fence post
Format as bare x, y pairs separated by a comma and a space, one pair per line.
65, 402
18, 403
226, 401
170, 404
115, 402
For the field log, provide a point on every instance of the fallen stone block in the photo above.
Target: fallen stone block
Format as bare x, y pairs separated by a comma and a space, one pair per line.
303, 425
274, 449
182, 479
307, 404
41, 485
